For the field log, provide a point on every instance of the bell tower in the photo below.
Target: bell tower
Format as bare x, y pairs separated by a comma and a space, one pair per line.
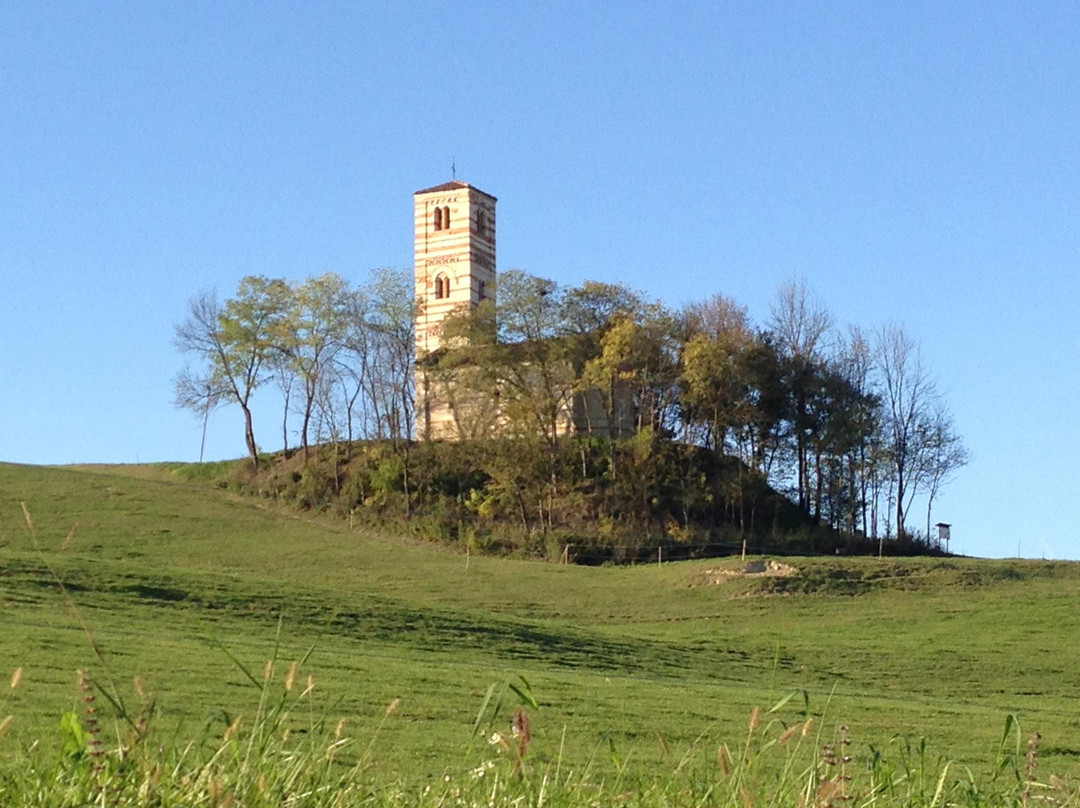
454, 249
454, 267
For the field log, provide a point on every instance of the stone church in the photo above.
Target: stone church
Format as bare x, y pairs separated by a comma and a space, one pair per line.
454, 268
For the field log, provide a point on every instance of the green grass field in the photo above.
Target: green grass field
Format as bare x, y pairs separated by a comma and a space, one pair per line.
645, 661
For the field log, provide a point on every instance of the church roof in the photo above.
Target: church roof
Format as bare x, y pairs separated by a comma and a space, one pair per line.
453, 185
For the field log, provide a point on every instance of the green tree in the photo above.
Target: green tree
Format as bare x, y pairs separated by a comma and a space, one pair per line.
630, 384
390, 320
715, 382
233, 343
467, 376
311, 334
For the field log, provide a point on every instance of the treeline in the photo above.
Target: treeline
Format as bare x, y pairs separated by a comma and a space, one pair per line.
340, 357
723, 413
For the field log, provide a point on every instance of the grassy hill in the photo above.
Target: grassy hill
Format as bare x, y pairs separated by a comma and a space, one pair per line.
645, 661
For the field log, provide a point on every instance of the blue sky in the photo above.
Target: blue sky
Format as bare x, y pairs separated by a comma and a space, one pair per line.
912, 163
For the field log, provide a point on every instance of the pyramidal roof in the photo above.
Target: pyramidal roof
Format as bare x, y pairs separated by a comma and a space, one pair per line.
453, 185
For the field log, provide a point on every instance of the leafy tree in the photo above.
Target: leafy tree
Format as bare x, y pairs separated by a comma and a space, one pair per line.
532, 356
634, 373
714, 385
721, 390
390, 320
233, 343
466, 378
311, 335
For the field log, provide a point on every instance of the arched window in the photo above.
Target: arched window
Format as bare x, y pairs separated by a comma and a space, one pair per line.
481, 290
446, 218
481, 223
442, 287
438, 218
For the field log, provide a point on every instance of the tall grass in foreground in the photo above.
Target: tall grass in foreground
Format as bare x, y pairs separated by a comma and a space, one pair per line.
285, 754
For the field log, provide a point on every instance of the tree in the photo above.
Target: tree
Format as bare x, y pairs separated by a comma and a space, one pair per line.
467, 377
909, 399
799, 326
588, 311
284, 376
713, 386
312, 333
199, 394
390, 320
634, 372
233, 342
532, 356
944, 455
854, 361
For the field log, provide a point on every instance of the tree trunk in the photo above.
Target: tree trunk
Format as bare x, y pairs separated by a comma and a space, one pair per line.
900, 532
800, 450
405, 481
304, 430
202, 443
249, 438
929, 505
285, 429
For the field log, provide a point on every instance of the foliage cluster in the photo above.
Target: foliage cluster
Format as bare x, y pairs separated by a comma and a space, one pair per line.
585, 414
340, 357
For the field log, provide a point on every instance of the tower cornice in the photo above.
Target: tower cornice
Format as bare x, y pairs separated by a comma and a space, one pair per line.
454, 185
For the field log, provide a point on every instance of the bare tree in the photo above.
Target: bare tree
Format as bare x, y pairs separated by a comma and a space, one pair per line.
284, 376
198, 393
799, 321
944, 454
909, 401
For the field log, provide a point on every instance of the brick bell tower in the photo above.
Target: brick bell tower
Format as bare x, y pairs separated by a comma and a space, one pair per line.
454, 267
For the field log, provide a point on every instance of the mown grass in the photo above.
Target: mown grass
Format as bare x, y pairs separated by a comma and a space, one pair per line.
645, 662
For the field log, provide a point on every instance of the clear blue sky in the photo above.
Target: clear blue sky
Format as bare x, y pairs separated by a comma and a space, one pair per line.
911, 162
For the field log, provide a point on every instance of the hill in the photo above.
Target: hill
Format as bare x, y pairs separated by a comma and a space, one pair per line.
647, 657
499, 497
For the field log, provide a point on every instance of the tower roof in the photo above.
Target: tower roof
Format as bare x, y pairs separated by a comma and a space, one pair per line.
453, 185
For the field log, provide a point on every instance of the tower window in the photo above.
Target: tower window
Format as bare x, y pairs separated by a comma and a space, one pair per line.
446, 218
442, 287
438, 218
481, 290
481, 223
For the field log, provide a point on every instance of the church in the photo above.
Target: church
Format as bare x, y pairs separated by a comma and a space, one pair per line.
454, 268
